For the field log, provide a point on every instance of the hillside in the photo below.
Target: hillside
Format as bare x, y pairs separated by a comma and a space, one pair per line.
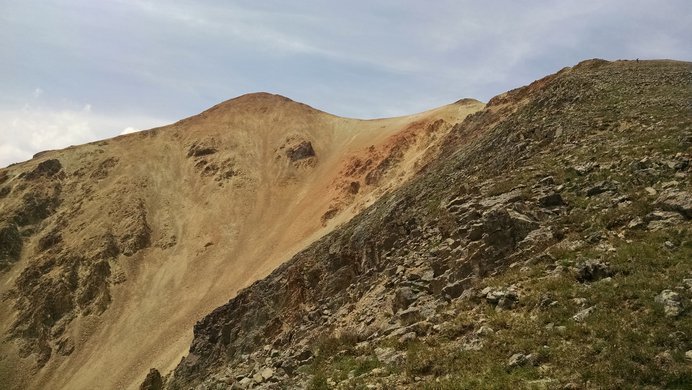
111, 251
547, 246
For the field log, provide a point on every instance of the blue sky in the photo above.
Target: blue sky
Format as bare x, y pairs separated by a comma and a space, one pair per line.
77, 71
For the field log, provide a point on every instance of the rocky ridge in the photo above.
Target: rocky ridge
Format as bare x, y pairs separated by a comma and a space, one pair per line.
548, 246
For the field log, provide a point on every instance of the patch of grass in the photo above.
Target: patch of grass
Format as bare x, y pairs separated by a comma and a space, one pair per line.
357, 365
627, 341
337, 357
318, 382
502, 187
422, 359
328, 346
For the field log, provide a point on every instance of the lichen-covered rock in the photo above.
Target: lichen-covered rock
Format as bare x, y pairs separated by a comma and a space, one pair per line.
200, 150
678, 201
10, 245
46, 168
403, 298
38, 204
551, 200
153, 381
591, 271
671, 301
300, 151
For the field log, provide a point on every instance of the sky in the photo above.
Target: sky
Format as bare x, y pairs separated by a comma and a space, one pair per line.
78, 71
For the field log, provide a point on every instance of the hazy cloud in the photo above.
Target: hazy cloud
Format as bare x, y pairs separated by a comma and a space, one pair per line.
129, 130
107, 67
32, 129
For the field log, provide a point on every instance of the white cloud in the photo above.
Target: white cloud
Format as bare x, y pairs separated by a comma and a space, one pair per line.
147, 59
10, 153
129, 130
29, 130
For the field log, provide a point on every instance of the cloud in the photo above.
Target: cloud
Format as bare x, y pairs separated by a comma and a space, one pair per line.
31, 129
129, 130
11, 153
134, 62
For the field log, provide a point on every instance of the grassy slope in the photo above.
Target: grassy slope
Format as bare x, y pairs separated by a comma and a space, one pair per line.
610, 115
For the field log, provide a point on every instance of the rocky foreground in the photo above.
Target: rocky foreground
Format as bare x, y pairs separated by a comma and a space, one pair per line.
548, 247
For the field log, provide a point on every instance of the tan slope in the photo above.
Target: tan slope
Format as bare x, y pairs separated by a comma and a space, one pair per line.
158, 228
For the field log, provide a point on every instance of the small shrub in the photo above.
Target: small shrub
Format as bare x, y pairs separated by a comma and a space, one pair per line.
318, 382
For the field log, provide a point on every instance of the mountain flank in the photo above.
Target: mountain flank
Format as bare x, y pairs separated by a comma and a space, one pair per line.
547, 246
111, 251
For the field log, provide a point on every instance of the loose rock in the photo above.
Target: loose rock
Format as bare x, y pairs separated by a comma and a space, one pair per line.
517, 360
672, 306
582, 315
592, 271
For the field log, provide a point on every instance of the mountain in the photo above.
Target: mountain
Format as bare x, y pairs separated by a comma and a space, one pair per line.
111, 251
542, 240
547, 246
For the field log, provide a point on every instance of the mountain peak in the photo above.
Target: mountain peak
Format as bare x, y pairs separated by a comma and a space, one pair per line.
261, 101
261, 96
254, 104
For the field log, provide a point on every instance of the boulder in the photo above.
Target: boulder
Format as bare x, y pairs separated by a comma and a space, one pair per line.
582, 170
403, 298
153, 381
410, 315
582, 315
46, 168
454, 290
485, 331
517, 360
504, 228
671, 301
301, 151
10, 245
503, 299
678, 201
407, 337
245, 383
593, 270
600, 188
389, 356
551, 200
258, 378
266, 373
636, 223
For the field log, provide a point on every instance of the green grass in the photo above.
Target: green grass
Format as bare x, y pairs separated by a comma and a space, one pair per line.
622, 344
337, 358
